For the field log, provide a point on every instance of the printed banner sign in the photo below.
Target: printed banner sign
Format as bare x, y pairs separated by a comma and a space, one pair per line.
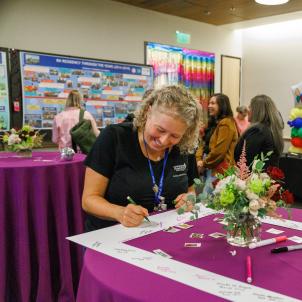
110, 90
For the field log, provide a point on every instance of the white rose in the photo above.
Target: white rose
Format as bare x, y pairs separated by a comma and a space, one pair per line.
13, 139
221, 184
254, 205
254, 213
264, 176
250, 195
240, 184
254, 176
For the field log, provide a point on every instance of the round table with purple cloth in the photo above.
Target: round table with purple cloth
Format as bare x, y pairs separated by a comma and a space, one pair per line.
40, 205
107, 279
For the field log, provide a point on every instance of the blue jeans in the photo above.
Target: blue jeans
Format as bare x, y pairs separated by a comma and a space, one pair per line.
209, 178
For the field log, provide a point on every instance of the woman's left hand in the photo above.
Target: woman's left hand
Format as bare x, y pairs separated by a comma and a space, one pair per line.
200, 166
182, 201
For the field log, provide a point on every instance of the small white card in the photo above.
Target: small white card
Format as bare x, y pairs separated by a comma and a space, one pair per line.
192, 244
274, 231
184, 226
162, 253
196, 235
296, 239
222, 222
217, 235
171, 230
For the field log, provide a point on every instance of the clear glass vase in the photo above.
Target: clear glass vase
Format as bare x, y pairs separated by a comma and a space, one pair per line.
26, 153
243, 231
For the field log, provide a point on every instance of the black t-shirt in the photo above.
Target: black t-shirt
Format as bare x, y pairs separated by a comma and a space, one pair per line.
258, 139
117, 155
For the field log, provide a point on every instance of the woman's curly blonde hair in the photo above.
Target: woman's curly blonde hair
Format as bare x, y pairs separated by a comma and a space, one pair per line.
179, 103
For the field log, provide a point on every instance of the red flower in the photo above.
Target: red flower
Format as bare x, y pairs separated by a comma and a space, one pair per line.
287, 197
215, 182
277, 195
275, 173
222, 167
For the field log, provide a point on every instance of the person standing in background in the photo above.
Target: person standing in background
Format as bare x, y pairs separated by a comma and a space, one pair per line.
68, 118
222, 141
241, 119
265, 133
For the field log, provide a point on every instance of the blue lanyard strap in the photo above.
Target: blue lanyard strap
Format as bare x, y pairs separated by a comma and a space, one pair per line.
157, 189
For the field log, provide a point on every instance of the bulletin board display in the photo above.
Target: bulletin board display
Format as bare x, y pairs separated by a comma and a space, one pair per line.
4, 93
110, 90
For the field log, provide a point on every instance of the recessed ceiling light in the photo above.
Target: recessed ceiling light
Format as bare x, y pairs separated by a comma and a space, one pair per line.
271, 2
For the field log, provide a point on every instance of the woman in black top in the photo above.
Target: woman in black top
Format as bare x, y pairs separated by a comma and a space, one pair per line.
147, 160
265, 132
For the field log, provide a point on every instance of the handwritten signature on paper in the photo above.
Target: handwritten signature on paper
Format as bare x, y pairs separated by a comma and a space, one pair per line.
124, 250
204, 277
181, 218
96, 244
270, 298
165, 269
231, 290
142, 258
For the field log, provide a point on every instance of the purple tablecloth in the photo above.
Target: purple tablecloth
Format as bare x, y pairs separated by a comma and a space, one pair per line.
107, 279
40, 204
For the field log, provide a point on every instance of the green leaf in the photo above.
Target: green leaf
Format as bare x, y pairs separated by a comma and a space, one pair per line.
269, 153
180, 210
259, 165
191, 198
197, 182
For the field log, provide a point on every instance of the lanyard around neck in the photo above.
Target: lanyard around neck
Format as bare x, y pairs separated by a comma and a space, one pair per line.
157, 188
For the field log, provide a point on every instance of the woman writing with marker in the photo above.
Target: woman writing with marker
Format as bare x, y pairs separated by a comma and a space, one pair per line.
150, 160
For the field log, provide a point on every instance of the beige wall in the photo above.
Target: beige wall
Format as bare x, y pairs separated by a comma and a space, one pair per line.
272, 63
105, 30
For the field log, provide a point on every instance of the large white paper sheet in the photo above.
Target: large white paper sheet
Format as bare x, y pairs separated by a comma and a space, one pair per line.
110, 240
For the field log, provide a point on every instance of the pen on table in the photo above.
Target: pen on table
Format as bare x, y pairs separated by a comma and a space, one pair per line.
267, 242
287, 248
133, 202
249, 269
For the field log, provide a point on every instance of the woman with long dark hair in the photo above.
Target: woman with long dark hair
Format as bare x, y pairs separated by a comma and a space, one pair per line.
265, 132
222, 141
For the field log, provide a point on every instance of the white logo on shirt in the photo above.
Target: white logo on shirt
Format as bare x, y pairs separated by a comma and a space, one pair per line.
180, 168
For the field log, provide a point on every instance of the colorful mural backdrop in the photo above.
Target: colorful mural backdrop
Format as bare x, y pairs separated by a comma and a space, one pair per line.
110, 90
192, 68
4, 93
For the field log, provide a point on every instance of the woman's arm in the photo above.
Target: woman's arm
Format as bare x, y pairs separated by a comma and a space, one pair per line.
94, 203
55, 132
217, 154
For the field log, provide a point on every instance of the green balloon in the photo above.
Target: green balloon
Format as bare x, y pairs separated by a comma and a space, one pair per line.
296, 132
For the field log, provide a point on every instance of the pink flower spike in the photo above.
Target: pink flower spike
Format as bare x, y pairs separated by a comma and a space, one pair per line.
242, 170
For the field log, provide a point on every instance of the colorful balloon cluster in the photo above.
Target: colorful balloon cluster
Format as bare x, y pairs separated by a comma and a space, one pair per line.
296, 133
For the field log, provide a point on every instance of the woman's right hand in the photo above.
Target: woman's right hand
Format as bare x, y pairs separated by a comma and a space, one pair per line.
132, 215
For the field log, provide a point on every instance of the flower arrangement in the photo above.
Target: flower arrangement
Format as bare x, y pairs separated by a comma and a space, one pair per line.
24, 139
246, 195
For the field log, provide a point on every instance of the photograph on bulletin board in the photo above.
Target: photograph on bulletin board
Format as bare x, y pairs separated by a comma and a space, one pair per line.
110, 90
174, 65
4, 92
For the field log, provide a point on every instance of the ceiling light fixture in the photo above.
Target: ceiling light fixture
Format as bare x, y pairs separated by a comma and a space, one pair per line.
271, 2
